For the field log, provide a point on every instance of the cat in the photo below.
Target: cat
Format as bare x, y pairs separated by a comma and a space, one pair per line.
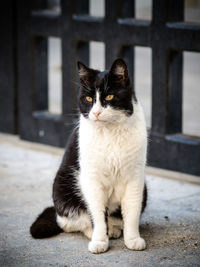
100, 188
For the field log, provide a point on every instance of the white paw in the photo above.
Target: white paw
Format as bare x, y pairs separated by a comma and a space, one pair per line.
136, 243
114, 232
98, 246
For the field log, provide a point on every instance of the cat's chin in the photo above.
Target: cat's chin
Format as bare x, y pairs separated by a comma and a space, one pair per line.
106, 122
100, 121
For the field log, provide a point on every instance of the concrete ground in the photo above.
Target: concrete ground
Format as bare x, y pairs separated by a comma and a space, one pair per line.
170, 224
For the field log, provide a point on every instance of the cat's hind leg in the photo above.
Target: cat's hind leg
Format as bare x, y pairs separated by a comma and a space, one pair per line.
76, 223
115, 226
115, 223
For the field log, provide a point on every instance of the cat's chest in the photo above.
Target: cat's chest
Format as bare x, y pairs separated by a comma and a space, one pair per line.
108, 148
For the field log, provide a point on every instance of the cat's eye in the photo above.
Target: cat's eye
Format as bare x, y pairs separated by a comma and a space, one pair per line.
89, 99
109, 97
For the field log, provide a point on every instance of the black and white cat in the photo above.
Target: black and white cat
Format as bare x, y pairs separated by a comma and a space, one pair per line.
101, 178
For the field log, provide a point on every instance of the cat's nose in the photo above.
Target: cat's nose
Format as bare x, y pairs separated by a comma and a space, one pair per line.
97, 113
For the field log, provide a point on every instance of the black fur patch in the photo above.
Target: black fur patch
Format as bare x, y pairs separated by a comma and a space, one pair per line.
66, 195
117, 213
144, 201
45, 225
107, 83
106, 220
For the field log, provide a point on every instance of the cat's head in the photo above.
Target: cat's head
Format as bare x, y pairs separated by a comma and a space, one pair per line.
106, 97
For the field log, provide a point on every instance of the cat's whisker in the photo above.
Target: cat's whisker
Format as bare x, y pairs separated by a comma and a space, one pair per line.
106, 84
70, 124
71, 114
75, 83
86, 86
88, 90
78, 84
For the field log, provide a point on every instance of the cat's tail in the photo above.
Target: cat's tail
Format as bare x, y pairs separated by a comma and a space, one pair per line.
45, 224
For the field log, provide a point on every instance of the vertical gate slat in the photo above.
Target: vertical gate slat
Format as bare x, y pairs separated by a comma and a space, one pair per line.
175, 92
160, 59
175, 14
8, 82
127, 52
41, 74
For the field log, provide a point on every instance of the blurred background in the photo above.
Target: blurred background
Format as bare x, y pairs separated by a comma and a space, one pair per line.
44, 39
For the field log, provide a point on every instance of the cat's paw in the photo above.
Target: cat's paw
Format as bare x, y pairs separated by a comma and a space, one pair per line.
98, 246
114, 232
136, 243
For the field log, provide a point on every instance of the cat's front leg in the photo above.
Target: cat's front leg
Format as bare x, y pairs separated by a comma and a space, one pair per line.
96, 202
131, 209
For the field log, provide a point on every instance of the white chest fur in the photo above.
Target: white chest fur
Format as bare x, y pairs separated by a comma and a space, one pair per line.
111, 153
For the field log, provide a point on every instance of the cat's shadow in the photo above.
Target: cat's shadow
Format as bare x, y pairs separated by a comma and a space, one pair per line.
151, 232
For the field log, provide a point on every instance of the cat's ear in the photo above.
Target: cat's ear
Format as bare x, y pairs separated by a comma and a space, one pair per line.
119, 69
83, 70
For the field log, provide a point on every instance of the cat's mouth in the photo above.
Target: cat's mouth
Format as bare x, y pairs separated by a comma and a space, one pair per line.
98, 120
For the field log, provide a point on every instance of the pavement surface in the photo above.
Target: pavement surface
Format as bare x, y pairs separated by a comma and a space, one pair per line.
170, 224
